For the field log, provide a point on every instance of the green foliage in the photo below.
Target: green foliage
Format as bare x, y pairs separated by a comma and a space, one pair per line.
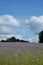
20, 59
2, 40
41, 37
13, 39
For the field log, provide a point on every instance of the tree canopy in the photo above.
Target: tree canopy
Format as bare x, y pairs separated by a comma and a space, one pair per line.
13, 39
41, 37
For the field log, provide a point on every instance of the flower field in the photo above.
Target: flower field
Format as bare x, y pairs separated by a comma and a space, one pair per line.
21, 53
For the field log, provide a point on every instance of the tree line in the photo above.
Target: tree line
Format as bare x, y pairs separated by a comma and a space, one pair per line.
13, 39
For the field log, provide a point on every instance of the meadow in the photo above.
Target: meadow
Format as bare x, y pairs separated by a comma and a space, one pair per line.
21, 53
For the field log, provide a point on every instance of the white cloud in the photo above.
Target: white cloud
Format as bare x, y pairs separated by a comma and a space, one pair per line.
18, 36
9, 20
8, 36
6, 21
35, 23
5, 29
34, 39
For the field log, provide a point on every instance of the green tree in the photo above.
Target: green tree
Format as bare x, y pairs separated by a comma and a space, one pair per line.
41, 37
12, 39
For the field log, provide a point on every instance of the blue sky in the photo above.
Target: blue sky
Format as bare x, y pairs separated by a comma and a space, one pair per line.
21, 8
21, 13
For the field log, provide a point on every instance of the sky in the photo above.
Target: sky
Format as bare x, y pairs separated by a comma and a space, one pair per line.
21, 18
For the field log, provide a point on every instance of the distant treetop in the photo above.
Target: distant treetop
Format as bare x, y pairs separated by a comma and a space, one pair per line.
13, 39
41, 37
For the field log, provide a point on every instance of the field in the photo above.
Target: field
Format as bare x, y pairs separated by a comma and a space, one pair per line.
21, 53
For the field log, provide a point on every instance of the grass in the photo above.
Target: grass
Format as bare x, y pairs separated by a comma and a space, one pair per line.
20, 59
9, 57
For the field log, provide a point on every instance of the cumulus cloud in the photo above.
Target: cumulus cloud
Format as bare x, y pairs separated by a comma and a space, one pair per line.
7, 23
8, 20
34, 39
8, 36
35, 23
